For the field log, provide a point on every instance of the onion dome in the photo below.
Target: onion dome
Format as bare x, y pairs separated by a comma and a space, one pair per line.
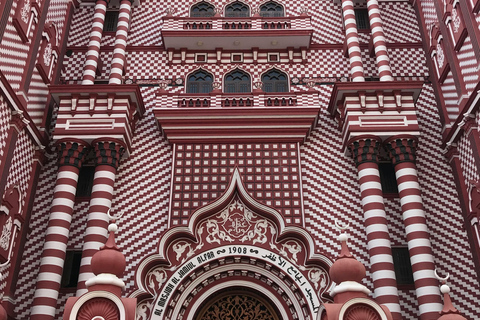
449, 312
346, 267
109, 259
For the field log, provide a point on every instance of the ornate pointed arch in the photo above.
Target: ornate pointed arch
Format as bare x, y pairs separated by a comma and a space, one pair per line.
275, 80
236, 9
202, 9
237, 81
234, 236
199, 81
272, 9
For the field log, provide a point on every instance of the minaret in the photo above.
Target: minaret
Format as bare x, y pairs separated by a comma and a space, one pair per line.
350, 296
104, 297
449, 312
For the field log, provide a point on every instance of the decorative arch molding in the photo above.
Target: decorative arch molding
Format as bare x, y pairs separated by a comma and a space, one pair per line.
108, 299
244, 299
237, 1
234, 230
236, 90
196, 4
368, 309
267, 2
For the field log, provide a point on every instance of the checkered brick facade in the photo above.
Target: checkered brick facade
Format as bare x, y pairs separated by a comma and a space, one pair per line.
14, 52
4, 124
159, 186
270, 172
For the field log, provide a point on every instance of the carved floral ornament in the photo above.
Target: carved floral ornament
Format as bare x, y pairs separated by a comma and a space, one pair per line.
238, 235
440, 55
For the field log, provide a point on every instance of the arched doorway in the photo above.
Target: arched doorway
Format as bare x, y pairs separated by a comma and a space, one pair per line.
237, 304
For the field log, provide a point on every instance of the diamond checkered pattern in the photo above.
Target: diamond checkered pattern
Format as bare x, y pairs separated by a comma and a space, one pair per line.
4, 125
468, 64
13, 51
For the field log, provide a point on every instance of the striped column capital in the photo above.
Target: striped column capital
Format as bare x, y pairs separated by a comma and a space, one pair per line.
72, 152
401, 148
108, 151
364, 149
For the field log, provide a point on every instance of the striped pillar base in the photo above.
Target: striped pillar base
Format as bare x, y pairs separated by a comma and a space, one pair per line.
53, 255
364, 151
107, 157
402, 153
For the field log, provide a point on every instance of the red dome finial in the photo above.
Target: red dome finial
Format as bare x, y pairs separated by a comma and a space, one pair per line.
449, 312
346, 267
109, 259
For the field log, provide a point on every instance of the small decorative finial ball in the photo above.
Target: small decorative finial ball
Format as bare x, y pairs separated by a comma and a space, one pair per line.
343, 237
112, 227
445, 289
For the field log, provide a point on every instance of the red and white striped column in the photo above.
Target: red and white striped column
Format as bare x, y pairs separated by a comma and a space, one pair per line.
71, 155
93, 53
379, 42
364, 150
353, 45
118, 61
107, 157
402, 153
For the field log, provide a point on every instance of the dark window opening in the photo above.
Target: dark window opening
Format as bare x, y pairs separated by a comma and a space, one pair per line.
85, 181
387, 178
275, 81
237, 10
199, 82
271, 9
237, 81
403, 268
202, 9
361, 16
71, 269
110, 23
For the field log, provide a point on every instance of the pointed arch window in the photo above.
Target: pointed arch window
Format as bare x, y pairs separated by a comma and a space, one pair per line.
199, 82
275, 81
237, 81
202, 9
237, 9
272, 9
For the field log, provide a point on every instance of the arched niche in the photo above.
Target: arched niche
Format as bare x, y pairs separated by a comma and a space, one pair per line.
231, 241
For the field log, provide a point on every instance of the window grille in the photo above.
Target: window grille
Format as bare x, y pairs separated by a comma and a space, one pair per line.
237, 81
237, 10
202, 9
387, 177
199, 82
275, 81
272, 9
110, 23
71, 269
85, 181
361, 16
402, 265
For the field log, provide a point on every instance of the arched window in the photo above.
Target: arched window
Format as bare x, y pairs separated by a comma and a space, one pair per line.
199, 82
202, 9
237, 81
275, 81
237, 9
272, 9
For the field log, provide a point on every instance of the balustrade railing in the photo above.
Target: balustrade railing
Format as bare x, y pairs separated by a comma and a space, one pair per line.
229, 23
